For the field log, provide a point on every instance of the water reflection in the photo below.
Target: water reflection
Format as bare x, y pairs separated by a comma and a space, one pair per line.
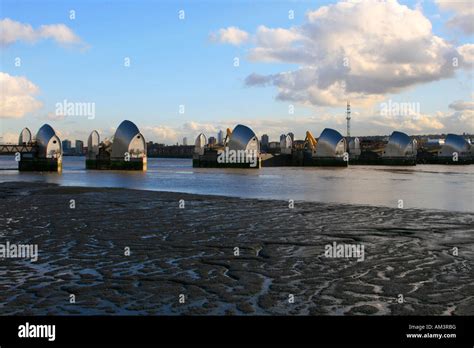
423, 186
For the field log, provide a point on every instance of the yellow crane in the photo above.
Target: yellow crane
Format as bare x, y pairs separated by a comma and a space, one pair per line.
227, 137
311, 141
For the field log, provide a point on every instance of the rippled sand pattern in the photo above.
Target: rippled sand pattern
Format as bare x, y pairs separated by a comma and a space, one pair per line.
190, 251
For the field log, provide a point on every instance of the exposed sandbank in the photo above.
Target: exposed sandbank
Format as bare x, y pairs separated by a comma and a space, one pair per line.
190, 251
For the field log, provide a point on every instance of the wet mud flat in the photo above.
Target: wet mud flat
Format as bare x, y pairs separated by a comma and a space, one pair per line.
183, 260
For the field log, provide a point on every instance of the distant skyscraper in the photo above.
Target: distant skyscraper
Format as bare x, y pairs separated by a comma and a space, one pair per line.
79, 147
292, 136
220, 137
66, 146
282, 137
265, 140
185, 141
212, 141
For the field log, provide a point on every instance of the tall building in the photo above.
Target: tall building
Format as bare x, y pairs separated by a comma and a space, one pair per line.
185, 141
212, 141
292, 136
220, 137
79, 147
264, 141
282, 137
66, 146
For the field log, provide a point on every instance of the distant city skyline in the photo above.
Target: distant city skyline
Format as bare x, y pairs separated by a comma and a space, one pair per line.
278, 67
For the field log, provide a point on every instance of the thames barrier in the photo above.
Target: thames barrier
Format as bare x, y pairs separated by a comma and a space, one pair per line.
241, 148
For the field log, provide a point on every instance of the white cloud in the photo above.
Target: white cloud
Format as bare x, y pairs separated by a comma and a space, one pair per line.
459, 121
357, 50
460, 105
174, 134
161, 134
9, 138
412, 124
12, 31
279, 37
463, 14
192, 126
53, 116
467, 53
17, 96
230, 35
462, 119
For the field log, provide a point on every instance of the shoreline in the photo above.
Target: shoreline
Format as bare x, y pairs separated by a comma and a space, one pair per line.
191, 251
419, 187
210, 195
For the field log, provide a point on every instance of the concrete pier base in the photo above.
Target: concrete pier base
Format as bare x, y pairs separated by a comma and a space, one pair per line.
446, 160
30, 163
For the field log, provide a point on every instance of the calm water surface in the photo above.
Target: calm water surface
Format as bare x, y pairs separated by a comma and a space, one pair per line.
422, 186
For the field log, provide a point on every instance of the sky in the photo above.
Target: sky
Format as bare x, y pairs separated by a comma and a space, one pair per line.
179, 68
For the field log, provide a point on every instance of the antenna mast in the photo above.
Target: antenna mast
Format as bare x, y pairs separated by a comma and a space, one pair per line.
348, 118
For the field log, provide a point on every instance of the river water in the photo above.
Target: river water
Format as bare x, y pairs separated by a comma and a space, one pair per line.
423, 186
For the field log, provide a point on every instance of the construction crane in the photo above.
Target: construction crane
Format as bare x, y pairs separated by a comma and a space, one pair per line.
311, 141
227, 137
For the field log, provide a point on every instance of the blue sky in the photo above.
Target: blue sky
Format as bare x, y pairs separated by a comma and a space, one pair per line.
174, 62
